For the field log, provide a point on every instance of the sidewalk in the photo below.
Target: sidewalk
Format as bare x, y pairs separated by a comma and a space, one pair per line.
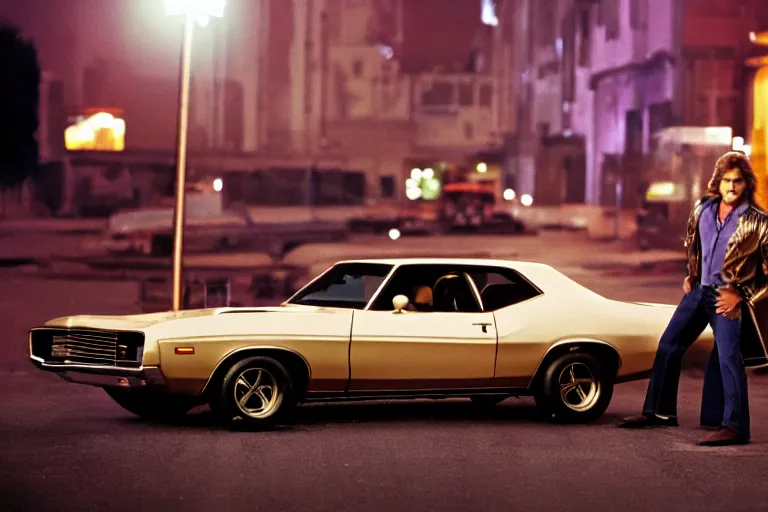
52, 225
47, 238
638, 260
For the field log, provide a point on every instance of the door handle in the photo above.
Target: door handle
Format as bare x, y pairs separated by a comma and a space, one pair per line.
484, 325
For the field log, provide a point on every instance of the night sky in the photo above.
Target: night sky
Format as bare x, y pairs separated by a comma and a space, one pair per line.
436, 32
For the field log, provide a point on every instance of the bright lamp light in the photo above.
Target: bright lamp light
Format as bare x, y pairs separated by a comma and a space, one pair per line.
201, 10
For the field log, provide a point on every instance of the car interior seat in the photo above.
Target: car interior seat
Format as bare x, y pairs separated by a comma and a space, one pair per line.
452, 293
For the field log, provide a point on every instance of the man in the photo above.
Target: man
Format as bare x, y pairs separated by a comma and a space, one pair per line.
727, 246
422, 299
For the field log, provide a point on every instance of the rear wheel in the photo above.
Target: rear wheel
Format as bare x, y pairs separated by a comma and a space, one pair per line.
152, 404
256, 393
575, 388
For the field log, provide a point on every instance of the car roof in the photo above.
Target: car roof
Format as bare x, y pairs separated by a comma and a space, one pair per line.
545, 277
521, 265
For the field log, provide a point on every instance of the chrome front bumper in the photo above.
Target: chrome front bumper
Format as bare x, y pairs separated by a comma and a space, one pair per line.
104, 375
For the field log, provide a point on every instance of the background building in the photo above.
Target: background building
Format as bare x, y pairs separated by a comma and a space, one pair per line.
294, 101
600, 79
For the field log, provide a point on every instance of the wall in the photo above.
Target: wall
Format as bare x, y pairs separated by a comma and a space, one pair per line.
126, 54
454, 110
628, 73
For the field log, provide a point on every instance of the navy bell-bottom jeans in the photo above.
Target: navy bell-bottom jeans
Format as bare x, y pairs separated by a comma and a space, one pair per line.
724, 397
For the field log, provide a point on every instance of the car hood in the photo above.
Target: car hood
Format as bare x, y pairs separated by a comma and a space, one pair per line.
146, 320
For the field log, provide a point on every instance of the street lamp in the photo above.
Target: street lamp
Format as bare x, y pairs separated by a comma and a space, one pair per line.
194, 11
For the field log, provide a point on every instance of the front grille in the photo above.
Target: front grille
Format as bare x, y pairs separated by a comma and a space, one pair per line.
88, 347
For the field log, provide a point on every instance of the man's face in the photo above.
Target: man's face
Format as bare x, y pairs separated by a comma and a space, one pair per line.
732, 186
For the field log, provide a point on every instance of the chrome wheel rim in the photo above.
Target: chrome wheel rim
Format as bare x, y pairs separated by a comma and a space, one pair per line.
256, 393
579, 389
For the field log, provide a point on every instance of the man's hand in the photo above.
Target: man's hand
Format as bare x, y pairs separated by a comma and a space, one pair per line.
687, 285
728, 302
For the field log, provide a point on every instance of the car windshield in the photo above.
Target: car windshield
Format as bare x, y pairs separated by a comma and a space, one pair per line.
346, 285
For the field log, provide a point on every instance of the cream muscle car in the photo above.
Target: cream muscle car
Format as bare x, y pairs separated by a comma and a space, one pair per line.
370, 329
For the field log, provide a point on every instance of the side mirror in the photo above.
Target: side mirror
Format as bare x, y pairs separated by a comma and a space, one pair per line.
400, 302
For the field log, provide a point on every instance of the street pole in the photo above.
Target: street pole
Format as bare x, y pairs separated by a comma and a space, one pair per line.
181, 159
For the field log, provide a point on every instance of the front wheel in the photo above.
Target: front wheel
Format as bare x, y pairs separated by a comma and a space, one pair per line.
256, 393
575, 389
152, 404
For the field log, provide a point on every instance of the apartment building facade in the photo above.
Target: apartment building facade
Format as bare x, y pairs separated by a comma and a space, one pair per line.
283, 92
598, 78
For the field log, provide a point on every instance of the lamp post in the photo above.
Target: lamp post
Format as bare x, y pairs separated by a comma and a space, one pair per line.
193, 11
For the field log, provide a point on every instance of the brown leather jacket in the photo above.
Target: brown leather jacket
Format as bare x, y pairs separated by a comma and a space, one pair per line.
746, 256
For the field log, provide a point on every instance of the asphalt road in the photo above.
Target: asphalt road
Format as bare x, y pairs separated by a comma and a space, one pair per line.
68, 447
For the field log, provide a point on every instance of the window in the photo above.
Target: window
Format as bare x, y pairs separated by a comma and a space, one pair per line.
633, 136
439, 94
726, 110
449, 290
466, 94
585, 39
486, 95
568, 75
469, 130
234, 128
454, 288
638, 14
387, 186
501, 287
335, 187
546, 22
346, 285
357, 68
611, 17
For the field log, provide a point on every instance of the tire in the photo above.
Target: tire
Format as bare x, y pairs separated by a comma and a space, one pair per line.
583, 403
487, 400
151, 404
268, 408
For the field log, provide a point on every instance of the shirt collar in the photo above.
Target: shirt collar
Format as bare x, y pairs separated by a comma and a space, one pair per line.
737, 212
741, 209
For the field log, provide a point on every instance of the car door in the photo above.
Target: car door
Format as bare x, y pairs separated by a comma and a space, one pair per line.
415, 350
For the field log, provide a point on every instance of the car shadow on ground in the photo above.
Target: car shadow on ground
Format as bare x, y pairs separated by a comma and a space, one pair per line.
453, 411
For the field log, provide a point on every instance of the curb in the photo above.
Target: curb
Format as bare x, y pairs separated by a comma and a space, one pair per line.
617, 268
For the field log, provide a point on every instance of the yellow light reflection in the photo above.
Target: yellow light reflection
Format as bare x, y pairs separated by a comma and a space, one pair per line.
760, 135
98, 132
760, 38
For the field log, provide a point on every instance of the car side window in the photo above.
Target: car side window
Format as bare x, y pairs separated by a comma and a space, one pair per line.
430, 288
502, 287
347, 285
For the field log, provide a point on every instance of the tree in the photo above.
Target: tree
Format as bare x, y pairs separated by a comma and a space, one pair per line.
19, 98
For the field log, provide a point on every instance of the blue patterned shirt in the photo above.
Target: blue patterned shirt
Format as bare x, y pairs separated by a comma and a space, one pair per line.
714, 238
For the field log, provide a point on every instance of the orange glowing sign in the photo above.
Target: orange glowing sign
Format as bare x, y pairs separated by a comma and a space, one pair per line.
100, 131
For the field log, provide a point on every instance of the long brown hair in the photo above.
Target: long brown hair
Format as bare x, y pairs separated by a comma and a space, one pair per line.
729, 161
